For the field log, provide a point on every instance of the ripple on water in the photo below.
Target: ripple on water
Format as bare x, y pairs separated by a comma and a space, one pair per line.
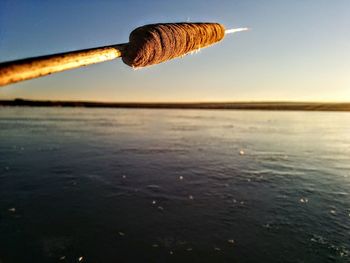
338, 250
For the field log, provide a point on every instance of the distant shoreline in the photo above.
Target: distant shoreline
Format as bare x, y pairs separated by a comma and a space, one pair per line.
274, 106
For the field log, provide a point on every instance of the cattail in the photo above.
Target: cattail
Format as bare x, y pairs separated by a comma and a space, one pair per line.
154, 44
148, 45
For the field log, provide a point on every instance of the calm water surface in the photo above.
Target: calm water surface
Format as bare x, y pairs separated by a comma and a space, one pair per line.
132, 185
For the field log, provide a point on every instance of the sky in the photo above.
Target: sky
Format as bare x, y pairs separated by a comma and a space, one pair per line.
296, 50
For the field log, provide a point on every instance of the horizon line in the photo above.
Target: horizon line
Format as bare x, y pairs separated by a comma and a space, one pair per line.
178, 102
257, 105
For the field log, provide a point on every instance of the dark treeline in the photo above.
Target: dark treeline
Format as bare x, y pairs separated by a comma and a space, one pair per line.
302, 106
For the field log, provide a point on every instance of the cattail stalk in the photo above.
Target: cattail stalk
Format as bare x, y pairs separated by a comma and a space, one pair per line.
15, 71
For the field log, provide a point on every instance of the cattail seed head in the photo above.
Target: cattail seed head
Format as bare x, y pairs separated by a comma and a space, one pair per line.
156, 43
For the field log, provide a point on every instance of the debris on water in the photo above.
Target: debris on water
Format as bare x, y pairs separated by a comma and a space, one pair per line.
249, 180
160, 208
242, 202
318, 239
181, 177
124, 176
154, 202
155, 245
62, 258
241, 152
190, 197
217, 249
231, 241
266, 225
12, 209
333, 212
189, 249
234, 201
304, 200
121, 234
80, 259
171, 252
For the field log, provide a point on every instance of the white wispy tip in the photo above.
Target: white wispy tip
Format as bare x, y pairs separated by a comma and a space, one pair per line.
235, 30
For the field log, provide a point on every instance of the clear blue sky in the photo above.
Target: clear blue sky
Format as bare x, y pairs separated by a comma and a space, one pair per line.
296, 50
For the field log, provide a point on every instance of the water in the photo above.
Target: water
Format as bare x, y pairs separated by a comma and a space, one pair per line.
115, 185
